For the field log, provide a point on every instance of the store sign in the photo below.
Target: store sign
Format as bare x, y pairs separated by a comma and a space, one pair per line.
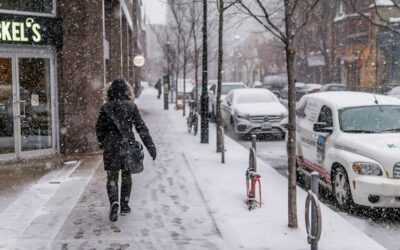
17, 29
139, 61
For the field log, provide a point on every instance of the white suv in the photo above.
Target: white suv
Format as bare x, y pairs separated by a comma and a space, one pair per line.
353, 140
226, 88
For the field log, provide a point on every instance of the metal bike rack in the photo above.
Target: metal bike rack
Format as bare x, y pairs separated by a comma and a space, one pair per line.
313, 232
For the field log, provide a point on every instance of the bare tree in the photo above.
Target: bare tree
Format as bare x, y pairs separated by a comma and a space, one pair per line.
316, 36
295, 16
222, 7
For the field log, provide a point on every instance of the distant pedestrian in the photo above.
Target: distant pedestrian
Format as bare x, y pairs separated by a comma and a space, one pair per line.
158, 86
119, 108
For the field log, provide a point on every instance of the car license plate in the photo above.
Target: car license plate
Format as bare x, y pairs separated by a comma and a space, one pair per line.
266, 126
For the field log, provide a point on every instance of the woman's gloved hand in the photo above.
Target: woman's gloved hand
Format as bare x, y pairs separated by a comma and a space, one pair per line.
153, 153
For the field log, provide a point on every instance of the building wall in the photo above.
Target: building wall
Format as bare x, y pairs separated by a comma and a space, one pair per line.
84, 69
81, 69
113, 36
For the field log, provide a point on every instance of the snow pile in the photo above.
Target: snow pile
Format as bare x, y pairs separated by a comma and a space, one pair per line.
380, 3
394, 19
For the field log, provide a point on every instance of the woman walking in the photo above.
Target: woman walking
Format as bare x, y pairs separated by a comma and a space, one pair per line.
117, 117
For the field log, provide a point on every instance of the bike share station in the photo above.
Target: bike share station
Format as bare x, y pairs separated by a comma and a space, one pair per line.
253, 182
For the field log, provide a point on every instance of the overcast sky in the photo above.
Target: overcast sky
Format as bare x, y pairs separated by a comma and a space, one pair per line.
155, 10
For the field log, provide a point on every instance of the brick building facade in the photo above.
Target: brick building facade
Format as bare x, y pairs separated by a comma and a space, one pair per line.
55, 59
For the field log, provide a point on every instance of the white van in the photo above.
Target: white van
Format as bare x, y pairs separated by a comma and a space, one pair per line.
353, 140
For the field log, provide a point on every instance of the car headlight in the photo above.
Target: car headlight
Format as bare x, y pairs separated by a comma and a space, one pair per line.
367, 168
242, 116
284, 115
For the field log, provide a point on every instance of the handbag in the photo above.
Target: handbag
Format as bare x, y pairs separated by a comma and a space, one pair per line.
132, 150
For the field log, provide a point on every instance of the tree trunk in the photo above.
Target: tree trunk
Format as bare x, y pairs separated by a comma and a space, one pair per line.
196, 72
218, 115
291, 144
184, 81
177, 70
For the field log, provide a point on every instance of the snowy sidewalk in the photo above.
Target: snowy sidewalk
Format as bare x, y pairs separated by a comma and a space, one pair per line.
223, 187
185, 199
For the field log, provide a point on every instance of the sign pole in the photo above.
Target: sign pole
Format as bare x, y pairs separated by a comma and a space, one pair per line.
166, 84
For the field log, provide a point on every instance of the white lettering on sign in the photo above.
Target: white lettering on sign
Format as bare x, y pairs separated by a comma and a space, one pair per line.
16, 31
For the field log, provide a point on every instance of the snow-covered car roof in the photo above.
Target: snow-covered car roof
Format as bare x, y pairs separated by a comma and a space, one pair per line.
251, 91
346, 99
233, 83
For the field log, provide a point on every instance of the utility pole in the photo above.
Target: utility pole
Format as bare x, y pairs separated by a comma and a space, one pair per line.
204, 92
136, 70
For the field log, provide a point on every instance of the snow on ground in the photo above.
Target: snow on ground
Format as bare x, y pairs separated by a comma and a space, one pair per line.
184, 200
223, 187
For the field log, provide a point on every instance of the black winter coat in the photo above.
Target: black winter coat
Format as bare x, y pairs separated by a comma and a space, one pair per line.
109, 137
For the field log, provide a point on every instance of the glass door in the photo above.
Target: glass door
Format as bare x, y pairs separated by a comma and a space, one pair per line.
35, 111
27, 104
7, 111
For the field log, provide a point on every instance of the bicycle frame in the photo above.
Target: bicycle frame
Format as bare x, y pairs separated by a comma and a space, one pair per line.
252, 178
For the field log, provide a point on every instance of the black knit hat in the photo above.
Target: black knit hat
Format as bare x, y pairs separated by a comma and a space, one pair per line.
118, 91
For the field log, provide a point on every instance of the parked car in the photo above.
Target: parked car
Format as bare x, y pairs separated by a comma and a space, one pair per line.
395, 92
226, 87
333, 87
275, 82
188, 89
254, 111
353, 140
301, 90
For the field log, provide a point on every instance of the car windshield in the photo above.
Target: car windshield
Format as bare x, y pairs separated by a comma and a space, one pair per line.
255, 98
395, 91
370, 119
336, 88
227, 88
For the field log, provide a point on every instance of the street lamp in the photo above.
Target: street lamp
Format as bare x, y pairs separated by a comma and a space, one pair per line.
204, 92
167, 78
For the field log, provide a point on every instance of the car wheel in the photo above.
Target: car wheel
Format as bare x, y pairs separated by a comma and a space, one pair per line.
341, 189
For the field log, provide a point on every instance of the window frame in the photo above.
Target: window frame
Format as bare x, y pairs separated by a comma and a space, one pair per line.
331, 114
30, 13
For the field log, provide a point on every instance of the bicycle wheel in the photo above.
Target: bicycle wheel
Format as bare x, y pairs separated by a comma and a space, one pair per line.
189, 124
196, 125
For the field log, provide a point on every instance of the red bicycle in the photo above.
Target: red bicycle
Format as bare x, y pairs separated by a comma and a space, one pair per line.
252, 178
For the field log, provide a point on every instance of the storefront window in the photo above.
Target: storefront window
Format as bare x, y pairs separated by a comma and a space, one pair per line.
6, 107
41, 6
35, 96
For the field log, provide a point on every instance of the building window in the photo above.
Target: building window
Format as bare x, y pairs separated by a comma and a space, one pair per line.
392, 64
39, 6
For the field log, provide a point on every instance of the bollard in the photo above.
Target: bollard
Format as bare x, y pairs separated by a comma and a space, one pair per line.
254, 141
314, 212
253, 160
223, 145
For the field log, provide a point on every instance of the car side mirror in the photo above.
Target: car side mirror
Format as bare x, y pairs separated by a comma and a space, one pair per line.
322, 127
229, 103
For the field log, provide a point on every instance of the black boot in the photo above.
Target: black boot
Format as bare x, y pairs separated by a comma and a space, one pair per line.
114, 212
112, 191
126, 187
